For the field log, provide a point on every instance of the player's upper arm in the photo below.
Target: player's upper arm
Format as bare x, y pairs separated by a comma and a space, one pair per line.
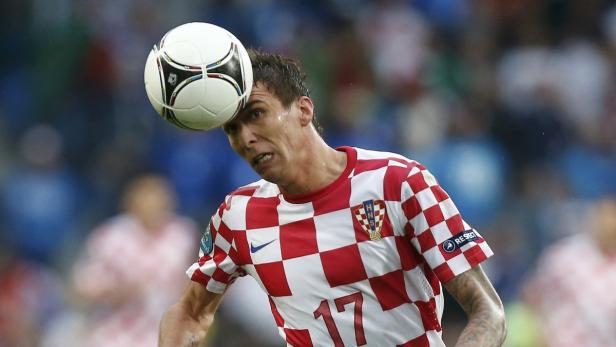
474, 292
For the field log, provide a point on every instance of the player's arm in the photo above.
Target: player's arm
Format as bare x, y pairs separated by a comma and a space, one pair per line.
486, 325
185, 324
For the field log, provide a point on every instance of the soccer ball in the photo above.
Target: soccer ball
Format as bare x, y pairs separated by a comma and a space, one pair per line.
198, 76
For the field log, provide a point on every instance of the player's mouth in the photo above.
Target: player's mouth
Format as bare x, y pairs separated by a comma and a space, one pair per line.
262, 159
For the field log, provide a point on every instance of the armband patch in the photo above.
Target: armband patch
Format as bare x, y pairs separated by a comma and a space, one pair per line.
207, 244
459, 240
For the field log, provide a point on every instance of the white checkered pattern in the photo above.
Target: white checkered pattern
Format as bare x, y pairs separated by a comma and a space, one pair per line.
572, 289
121, 255
329, 283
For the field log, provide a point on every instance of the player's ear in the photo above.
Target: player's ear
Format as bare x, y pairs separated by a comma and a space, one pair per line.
306, 108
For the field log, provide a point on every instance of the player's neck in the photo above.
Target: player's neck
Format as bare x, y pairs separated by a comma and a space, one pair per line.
317, 166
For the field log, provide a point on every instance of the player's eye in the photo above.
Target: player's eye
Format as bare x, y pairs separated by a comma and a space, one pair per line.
256, 114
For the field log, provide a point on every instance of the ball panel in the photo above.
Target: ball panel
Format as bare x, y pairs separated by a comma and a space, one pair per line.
219, 95
246, 69
197, 43
175, 79
190, 95
231, 67
184, 54
171, 117
197, 118
153, 86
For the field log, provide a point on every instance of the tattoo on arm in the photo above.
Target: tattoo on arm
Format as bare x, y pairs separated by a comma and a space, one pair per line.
193, 341
486, 324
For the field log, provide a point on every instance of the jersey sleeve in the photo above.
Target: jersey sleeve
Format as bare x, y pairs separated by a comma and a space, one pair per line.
217, 265
437, 230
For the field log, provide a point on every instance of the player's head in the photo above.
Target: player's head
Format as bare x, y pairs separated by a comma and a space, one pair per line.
276, 128
150, 199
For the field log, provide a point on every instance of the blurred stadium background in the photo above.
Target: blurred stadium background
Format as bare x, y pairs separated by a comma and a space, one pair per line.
512, 104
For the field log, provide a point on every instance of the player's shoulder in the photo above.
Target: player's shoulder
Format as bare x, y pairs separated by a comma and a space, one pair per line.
232, 211
367, 155
399, 169
257, 189
260, 188
403, 166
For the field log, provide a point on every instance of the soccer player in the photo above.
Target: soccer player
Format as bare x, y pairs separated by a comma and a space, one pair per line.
124, 293
573, 283
352, 246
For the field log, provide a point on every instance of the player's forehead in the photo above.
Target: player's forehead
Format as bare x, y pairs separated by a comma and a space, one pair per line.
262, 94
260, 97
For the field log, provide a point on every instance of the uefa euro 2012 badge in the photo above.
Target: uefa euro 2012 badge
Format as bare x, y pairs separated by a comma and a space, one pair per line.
207, 244
370, 215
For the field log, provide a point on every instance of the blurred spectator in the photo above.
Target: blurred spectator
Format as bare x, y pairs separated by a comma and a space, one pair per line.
572, 287
582, 78
133, 266
423, 123
40, 197
532, 122
397, 38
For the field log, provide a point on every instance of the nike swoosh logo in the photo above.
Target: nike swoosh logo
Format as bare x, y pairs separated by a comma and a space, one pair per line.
254, 249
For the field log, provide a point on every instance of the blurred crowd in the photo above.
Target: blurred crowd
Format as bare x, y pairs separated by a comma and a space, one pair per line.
511, 104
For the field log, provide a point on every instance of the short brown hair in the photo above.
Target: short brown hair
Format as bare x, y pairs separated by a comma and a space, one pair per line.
283, 76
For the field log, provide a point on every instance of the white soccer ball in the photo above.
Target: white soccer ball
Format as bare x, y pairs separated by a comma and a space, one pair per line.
198, 76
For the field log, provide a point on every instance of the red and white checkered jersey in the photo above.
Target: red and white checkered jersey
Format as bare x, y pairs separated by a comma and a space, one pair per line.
121, 255
573, 292
357, 263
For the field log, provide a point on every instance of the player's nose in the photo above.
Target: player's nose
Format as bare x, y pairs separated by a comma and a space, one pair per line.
246, 137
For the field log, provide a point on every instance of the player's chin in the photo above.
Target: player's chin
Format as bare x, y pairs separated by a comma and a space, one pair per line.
268, 173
